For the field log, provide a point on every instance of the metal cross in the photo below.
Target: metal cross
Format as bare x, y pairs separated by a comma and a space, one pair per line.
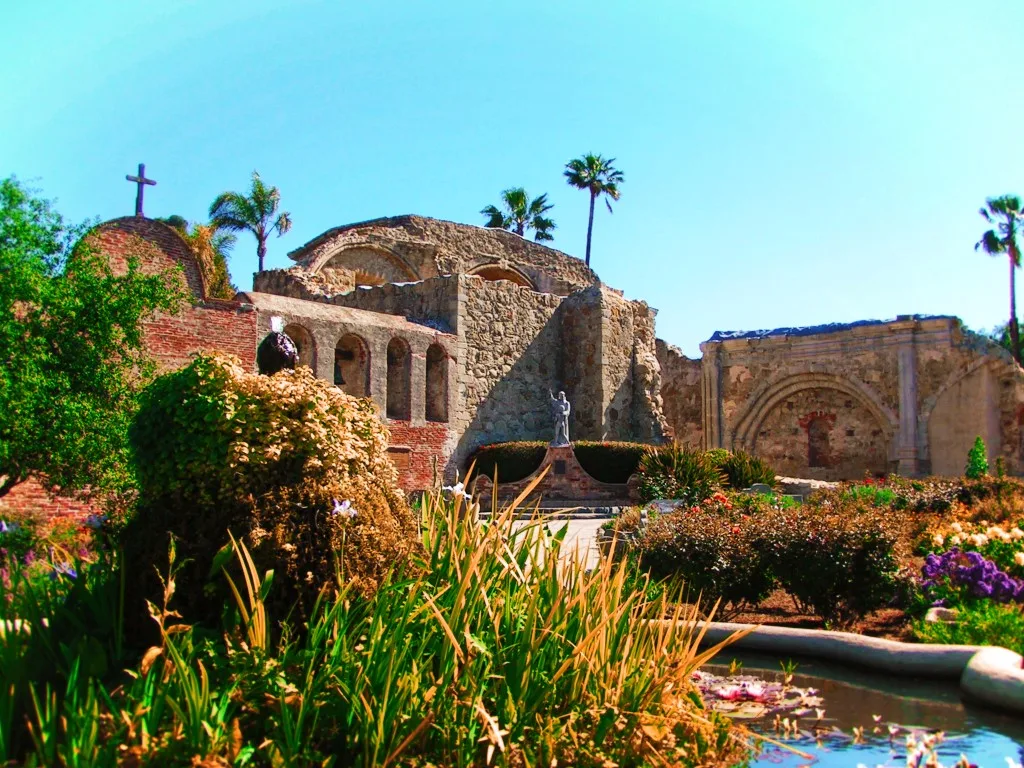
142, 181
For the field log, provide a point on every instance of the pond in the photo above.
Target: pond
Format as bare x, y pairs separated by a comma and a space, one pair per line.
883, 709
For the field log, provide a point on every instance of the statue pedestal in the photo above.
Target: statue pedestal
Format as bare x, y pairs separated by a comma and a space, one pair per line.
566, 484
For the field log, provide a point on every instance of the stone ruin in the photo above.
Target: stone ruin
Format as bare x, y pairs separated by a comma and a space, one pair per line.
457, 333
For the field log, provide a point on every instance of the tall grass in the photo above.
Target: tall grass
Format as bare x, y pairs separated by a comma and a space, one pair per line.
499, 649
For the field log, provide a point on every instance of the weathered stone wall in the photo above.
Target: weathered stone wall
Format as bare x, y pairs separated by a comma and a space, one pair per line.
681, 379
908, 395
509, 345
408, 248
434, 303
648, 418
299, 283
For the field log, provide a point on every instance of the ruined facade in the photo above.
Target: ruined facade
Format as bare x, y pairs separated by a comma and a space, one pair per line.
457, 333
836, 402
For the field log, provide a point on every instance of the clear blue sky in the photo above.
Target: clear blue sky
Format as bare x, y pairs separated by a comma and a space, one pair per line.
787, 163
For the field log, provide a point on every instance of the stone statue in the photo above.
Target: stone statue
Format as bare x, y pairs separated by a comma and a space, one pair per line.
561, 408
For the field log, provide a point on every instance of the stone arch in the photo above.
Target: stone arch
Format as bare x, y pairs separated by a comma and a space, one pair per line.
304, 342
372, 264
352, 365
494, 272
818, 425
761, 404
399, 391
437, 384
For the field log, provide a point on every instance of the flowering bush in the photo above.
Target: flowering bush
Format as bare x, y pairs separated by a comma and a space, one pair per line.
273, 459
955, 577
837, 564
1003, 544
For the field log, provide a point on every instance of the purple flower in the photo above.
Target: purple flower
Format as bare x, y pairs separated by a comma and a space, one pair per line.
30, 557
63, 569
6, 527
343, 508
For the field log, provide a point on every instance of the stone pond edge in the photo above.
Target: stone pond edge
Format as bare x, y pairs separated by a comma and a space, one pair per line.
987, 675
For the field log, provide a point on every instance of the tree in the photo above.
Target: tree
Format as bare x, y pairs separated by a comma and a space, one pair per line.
598, 176
1006, 214
72, 353
256, 213
211, 247
519, 213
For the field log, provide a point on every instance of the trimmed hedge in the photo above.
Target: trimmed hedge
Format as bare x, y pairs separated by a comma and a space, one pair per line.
607, 461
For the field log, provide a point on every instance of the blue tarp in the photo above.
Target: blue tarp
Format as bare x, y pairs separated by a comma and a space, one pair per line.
813, 330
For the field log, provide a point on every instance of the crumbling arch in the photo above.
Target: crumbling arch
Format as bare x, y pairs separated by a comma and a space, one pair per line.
304, 342
494, 272
759, 406
352, 365
399, 392
373, 263
437, 384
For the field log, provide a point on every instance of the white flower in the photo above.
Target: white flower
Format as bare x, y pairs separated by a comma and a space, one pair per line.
459, 489
956, 541
1017, 534
979, 540
344, 508
995, 532
957, 528
1018, 558
938, 540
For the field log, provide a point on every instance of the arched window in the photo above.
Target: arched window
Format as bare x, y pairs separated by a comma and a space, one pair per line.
437, 383
304, 342
352, 365
399, 398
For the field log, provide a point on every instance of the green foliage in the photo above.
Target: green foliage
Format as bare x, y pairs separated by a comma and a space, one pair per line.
977, 460
256, 212
519, 213
981, 623
502, 652
72, 354
741, 470
874, 495
514, 460
609, 462
598, 176
712, 552
211, 247
273, 459
837, 563
676, 472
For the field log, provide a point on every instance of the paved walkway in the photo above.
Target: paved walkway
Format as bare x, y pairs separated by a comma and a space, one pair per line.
581, 537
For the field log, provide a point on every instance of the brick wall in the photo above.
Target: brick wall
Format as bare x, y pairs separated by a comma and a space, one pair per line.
31, 499
414, 451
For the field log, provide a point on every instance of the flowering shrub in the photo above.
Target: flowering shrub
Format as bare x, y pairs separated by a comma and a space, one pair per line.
273, 459
956, 576
1003, 544
835, 564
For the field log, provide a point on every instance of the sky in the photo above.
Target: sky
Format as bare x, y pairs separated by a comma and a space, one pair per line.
787, 162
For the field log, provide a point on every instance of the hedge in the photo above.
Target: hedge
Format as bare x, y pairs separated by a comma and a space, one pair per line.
607, 462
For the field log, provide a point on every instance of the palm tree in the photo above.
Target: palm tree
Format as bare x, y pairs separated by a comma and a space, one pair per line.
256, 213
211, 248
1006, 214
594, 173
520, 214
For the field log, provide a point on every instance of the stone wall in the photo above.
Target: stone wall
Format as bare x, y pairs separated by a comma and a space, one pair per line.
909, 395
409, 248
681, 392
434, 303
509, 347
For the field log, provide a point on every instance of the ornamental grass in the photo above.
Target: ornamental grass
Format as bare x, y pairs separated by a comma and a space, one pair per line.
499, 648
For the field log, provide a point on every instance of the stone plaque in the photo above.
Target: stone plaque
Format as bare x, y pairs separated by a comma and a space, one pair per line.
559, 467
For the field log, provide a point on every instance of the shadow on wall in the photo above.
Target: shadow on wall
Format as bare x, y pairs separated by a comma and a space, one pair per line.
517, 405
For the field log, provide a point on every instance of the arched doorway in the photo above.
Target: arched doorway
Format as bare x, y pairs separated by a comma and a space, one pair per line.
399, 394
437, 383
352, 365
304, 343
